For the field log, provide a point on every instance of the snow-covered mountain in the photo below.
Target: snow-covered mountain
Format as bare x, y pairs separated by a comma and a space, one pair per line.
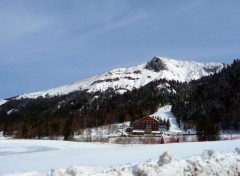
123, 79
2, 101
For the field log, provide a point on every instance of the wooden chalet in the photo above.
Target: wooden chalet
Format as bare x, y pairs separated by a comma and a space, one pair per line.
146, 124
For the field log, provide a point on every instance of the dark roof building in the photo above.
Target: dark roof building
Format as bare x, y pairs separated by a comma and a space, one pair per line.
148, 124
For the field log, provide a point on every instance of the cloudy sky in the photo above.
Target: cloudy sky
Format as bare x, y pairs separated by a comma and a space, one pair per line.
49, 43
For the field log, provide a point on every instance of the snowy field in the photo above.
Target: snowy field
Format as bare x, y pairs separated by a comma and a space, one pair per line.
55, 158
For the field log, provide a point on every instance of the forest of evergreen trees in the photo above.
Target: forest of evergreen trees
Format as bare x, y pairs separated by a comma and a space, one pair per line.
210, 104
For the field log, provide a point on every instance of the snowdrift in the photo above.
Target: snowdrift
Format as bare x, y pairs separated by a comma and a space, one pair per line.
208, 163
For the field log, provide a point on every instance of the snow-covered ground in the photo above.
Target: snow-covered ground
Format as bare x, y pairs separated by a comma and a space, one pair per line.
44, 157
105, 130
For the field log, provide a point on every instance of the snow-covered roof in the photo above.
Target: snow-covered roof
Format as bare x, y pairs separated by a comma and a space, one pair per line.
156, 132
138, 131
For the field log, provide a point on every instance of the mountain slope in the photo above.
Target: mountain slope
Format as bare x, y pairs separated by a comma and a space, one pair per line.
2, 101
212, 102
61, 115
123, 79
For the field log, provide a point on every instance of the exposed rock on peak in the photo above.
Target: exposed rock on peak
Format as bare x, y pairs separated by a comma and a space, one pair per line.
156, 64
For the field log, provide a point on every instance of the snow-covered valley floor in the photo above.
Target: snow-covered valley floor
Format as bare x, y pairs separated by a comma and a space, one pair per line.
44, 157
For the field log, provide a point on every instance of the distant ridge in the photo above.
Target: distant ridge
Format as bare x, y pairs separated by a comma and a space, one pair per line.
126, 79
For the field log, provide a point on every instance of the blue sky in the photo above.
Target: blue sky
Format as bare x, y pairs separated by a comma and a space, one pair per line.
49, 43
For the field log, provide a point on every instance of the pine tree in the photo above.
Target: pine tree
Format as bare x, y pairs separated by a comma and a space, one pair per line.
68, 129
168, 125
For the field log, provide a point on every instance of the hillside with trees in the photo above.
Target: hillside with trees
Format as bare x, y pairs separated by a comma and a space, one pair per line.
61, 115
209, 104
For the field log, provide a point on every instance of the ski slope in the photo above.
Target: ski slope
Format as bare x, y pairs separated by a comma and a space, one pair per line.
165, 113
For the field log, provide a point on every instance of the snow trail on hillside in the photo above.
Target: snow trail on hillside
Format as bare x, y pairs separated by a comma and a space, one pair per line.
165, 113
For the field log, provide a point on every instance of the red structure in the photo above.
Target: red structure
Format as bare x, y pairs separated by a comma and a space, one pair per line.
148, 124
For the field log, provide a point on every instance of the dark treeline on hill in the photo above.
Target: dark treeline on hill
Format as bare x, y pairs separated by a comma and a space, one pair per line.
61, 115
209, 104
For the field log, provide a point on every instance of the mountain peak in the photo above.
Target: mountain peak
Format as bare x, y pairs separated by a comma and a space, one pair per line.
126, 79
156, 64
